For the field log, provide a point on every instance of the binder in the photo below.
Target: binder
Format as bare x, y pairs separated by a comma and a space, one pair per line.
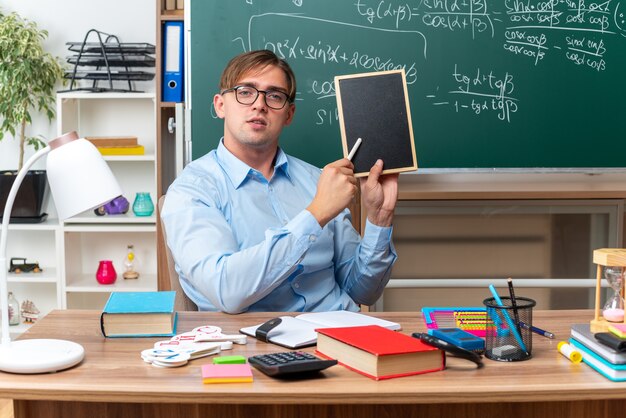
173, 70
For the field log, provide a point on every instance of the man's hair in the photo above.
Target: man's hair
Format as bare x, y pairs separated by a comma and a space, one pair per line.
256, 60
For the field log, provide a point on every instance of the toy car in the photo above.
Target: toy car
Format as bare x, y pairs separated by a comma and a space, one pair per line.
19, 265
117, 206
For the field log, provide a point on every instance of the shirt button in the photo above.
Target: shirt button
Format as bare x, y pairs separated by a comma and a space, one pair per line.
296, 285
312, 238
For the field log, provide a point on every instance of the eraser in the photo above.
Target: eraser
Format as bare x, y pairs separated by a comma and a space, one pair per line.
229, 360
504, 350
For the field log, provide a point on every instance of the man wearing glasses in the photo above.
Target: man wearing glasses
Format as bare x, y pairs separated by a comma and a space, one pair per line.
254, 229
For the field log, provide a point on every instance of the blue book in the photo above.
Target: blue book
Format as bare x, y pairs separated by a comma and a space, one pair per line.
614, 372
139, 314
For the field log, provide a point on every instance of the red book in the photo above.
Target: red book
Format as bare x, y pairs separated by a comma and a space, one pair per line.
378, 352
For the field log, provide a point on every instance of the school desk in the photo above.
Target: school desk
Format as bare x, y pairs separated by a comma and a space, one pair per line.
113, 381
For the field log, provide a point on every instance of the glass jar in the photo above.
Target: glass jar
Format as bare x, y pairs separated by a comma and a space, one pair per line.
14, 310
106, 273
143, 206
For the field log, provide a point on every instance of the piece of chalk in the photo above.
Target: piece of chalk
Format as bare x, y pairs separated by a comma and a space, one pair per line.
355, 147
569, 352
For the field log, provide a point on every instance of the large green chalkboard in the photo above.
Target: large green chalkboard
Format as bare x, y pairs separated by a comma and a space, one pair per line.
492, 83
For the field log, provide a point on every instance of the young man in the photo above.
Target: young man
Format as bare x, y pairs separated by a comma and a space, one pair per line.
253, 229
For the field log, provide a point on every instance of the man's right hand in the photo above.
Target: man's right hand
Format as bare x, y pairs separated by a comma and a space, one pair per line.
336, 188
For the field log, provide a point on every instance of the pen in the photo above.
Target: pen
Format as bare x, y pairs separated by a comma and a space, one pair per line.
536, 330
508, 319
354, 148
514, 304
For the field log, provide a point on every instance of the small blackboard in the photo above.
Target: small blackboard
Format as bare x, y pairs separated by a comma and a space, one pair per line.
375, 108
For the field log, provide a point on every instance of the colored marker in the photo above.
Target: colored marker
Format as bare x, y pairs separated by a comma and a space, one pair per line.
536, 330
355, 147
514, 304
508, 319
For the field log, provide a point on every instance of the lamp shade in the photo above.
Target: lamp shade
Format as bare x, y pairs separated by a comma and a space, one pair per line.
79, 177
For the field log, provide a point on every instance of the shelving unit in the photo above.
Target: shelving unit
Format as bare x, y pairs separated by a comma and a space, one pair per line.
87, 238
166, 140
45, 289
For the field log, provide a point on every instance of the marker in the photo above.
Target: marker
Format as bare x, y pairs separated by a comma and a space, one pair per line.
508, 319
536, 330
514, 304
355, 147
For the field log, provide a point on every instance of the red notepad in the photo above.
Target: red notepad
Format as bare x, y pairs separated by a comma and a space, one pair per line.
226, 373
377, 352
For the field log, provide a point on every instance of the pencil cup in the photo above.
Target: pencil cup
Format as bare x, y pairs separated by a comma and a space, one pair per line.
505, 338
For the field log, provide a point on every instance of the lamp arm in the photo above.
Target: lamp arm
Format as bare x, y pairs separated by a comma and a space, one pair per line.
6, 219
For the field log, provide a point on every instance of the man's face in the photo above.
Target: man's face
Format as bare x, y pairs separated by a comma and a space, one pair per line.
255, 125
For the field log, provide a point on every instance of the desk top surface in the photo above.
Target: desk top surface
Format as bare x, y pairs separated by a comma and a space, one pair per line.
114, 371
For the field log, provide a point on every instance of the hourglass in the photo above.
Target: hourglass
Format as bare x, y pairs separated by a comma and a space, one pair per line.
613, 310
612, 267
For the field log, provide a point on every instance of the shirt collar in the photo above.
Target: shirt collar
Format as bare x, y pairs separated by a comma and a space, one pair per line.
238, 171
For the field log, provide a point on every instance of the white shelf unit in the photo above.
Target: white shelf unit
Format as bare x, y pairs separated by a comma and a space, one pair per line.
34, 242
88, 238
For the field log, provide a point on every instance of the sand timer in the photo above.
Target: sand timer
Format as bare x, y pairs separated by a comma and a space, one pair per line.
613, 310
612, 267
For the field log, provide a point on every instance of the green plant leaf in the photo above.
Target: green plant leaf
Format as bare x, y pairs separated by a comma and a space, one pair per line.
28, 75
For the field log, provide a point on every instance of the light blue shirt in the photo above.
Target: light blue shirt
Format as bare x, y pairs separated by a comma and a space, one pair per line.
242, 243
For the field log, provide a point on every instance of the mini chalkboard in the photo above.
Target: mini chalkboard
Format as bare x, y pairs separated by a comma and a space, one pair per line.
375, 108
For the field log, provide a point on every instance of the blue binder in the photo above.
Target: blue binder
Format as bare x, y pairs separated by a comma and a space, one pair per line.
173, 62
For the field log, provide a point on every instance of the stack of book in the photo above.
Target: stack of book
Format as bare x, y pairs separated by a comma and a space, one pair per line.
117, 145
607, 361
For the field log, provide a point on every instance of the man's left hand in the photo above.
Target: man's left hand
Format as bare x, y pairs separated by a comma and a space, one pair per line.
380, 194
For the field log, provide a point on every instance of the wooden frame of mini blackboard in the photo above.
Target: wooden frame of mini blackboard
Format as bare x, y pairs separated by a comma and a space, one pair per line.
383, 122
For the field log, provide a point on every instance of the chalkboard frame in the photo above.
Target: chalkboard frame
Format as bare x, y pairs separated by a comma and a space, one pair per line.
394, 114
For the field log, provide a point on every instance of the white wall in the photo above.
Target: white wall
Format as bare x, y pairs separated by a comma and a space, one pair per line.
69, 21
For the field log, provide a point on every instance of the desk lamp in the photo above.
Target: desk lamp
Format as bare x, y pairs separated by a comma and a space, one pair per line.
79, 180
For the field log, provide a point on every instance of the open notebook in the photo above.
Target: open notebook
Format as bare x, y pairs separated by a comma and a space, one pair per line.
299, 331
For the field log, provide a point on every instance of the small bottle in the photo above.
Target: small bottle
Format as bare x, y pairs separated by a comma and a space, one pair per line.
14, 310
129, 263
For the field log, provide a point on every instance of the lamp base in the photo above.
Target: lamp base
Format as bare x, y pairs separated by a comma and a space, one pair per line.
39, 356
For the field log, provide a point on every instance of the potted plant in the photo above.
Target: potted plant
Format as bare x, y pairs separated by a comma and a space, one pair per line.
28, 75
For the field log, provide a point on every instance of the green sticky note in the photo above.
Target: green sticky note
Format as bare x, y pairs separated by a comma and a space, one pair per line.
229, 360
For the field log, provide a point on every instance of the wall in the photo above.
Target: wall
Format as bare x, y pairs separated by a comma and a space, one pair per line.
69, 21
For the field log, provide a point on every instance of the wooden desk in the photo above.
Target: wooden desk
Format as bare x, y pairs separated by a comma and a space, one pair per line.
113, 381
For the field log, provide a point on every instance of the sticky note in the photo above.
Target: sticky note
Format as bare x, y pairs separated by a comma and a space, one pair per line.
226, 373
229, 360
618, 329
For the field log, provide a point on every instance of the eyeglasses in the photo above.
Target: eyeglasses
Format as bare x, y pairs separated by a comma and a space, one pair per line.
246, 95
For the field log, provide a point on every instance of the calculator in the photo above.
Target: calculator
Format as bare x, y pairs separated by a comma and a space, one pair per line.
289, 364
